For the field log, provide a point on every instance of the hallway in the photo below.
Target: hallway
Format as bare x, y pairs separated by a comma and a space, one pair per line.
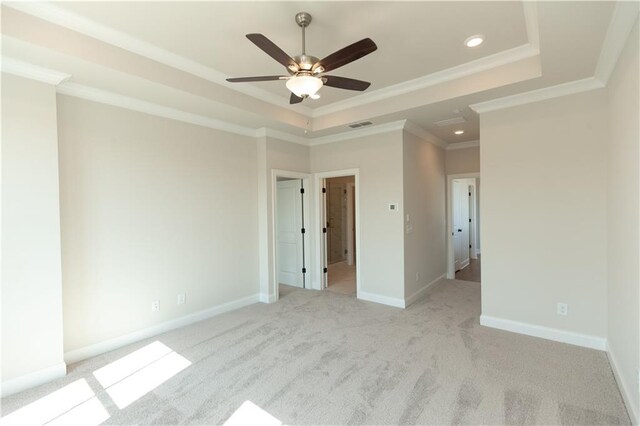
471, 272
342, 278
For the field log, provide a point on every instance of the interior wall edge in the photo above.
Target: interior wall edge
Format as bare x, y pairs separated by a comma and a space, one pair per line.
624, 391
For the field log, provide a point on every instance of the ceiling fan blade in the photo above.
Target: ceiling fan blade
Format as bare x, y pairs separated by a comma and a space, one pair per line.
345, 83
260, 78
272, 50
346, 55
294, 99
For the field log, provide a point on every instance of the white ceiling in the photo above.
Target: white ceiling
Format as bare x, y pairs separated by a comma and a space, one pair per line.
194, 45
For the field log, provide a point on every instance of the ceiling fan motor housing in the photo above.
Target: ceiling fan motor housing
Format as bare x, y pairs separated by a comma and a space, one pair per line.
303, 19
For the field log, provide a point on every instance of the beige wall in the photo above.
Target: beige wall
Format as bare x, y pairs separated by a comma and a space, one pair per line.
465, 160
544, 212
150, 208
424, 203
623, 219
379, 160
31, 259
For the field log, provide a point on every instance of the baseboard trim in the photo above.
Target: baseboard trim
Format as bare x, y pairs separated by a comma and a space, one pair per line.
118, 342
584, 340
384, 300
632, 410
34, 379
420, 293
267, 298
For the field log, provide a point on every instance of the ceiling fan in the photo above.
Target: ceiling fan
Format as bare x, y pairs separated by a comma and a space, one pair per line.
306, 72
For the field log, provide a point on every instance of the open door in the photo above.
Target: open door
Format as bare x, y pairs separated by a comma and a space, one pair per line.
325, 226
290, 234
461, 221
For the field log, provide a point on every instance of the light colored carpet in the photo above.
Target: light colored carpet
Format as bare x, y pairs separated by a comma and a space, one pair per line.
342, 278
324, 358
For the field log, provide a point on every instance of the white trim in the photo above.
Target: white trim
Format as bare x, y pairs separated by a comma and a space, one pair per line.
268, 298
557, 335
627, 394
127, 339
277, 134
421, 293
463, 70
37, 378
354, 134
463, 145
625, 14
530, 9
564, 89
32, 72
65, 18
377, 298
419, 132
110, 98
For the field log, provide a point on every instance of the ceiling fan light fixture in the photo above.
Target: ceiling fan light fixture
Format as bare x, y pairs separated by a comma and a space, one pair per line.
304, 85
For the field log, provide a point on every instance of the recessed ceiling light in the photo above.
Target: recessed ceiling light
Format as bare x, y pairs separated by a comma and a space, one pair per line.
459, 132
474, 40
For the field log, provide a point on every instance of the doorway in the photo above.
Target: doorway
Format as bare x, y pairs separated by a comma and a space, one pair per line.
463, 229
290, 238
339, 236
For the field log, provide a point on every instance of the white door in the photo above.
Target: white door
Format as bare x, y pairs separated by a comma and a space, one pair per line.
461, 223
325, 230
289, 230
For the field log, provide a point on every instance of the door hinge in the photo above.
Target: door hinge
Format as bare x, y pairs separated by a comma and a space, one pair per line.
325, 270
324, 190
345, 191
304, 270
469, 245
345, 251
469, 220
469, 194
303, 230
302, 190
324, 230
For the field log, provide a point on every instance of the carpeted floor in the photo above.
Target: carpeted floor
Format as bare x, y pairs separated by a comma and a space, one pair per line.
325, 358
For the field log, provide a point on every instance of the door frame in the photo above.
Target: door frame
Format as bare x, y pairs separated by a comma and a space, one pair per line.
351, 188
320, 241
451, 273
308, 192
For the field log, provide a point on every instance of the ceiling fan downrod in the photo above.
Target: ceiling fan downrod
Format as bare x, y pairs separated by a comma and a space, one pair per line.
303, 19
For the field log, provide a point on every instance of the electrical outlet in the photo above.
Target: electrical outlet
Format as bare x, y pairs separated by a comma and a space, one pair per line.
417, 276
155, 306
182, 299
563, 309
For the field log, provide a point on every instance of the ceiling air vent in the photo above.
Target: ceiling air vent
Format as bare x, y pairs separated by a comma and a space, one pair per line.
361, 124
450, 121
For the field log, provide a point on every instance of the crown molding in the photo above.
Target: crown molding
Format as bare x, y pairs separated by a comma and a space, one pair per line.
463, 145
473, 67
419, 132
265, 132
530, 9
354, 134
73, 21
538, 95
126, 102
623, 18
32, 72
